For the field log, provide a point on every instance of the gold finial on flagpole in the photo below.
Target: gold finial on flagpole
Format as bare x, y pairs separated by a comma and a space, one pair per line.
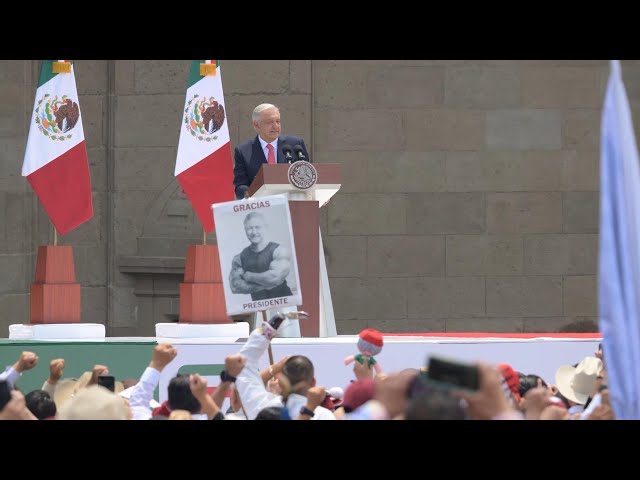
61, 67
207, 69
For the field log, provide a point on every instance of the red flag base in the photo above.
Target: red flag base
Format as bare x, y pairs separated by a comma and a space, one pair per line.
55, 295
202, 293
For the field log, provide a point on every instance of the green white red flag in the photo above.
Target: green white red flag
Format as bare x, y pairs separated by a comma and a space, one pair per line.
204, 165
55, 160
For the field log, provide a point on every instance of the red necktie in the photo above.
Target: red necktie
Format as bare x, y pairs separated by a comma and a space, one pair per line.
271, 158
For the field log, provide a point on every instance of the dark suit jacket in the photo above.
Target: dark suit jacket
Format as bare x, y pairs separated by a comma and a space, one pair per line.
248, 157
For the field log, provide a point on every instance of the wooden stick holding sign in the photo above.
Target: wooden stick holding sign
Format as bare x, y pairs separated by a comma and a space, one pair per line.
277, 320
265, 319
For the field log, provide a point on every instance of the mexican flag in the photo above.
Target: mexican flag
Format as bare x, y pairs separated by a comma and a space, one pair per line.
55, 161
204, 166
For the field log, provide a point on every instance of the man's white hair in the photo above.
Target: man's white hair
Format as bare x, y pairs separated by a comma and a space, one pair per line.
257, 112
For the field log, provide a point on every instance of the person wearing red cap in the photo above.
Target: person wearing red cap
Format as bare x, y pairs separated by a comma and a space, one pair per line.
369, 344
357, 394
512, 379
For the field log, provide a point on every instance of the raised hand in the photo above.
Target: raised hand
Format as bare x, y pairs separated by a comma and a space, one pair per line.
315, 397
391, 391
233, 364
96, 372
163, 354
198, 386
489, 401
362, 370
56, 368
27, 361
604, 410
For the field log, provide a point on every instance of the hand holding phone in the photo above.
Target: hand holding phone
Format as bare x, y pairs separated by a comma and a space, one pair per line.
276, 320
451, 374
108, 382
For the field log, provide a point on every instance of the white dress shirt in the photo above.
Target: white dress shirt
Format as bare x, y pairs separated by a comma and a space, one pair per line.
11, 376
253, 393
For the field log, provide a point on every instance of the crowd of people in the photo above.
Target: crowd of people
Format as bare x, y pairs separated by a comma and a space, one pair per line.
288, 390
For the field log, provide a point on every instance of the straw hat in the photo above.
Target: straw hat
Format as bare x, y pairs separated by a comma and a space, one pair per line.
94, 403
577, 383
69, 387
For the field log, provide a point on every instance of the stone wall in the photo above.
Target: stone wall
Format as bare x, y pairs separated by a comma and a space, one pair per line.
469, 200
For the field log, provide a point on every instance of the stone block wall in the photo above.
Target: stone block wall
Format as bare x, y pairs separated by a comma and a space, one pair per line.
469, 198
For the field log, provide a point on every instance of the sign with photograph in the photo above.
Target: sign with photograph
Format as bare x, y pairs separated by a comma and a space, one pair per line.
257, 254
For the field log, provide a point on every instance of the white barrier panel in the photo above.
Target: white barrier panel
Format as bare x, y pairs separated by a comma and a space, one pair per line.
171, 331
57, 331
542, 355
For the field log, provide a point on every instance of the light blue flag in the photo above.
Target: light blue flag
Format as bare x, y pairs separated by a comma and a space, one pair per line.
619, 256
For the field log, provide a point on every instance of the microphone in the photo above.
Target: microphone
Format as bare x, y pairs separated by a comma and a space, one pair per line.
299, 153
286, 149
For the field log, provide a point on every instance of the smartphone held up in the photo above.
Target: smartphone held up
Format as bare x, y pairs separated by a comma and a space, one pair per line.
108, 382
452, 374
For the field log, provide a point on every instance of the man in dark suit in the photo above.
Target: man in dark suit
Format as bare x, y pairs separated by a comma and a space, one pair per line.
266, 147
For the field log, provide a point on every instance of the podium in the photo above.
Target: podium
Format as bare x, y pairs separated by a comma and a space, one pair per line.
305, 204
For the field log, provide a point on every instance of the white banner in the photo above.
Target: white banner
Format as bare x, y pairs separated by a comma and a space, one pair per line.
257, 254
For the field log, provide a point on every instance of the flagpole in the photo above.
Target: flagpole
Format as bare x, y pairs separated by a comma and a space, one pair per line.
55, 237
204, 237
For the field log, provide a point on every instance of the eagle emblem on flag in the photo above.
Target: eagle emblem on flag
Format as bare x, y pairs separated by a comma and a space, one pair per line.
203, 117
55, 117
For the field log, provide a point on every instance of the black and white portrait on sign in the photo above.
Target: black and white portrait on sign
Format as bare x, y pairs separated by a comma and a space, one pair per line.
257, 254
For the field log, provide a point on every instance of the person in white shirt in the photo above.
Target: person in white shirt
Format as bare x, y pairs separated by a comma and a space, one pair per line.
296, 377
26, 361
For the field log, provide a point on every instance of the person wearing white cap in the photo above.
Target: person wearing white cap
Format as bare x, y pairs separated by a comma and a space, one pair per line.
577, 383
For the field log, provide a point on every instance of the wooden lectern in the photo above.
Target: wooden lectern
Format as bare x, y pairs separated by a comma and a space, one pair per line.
273, 179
